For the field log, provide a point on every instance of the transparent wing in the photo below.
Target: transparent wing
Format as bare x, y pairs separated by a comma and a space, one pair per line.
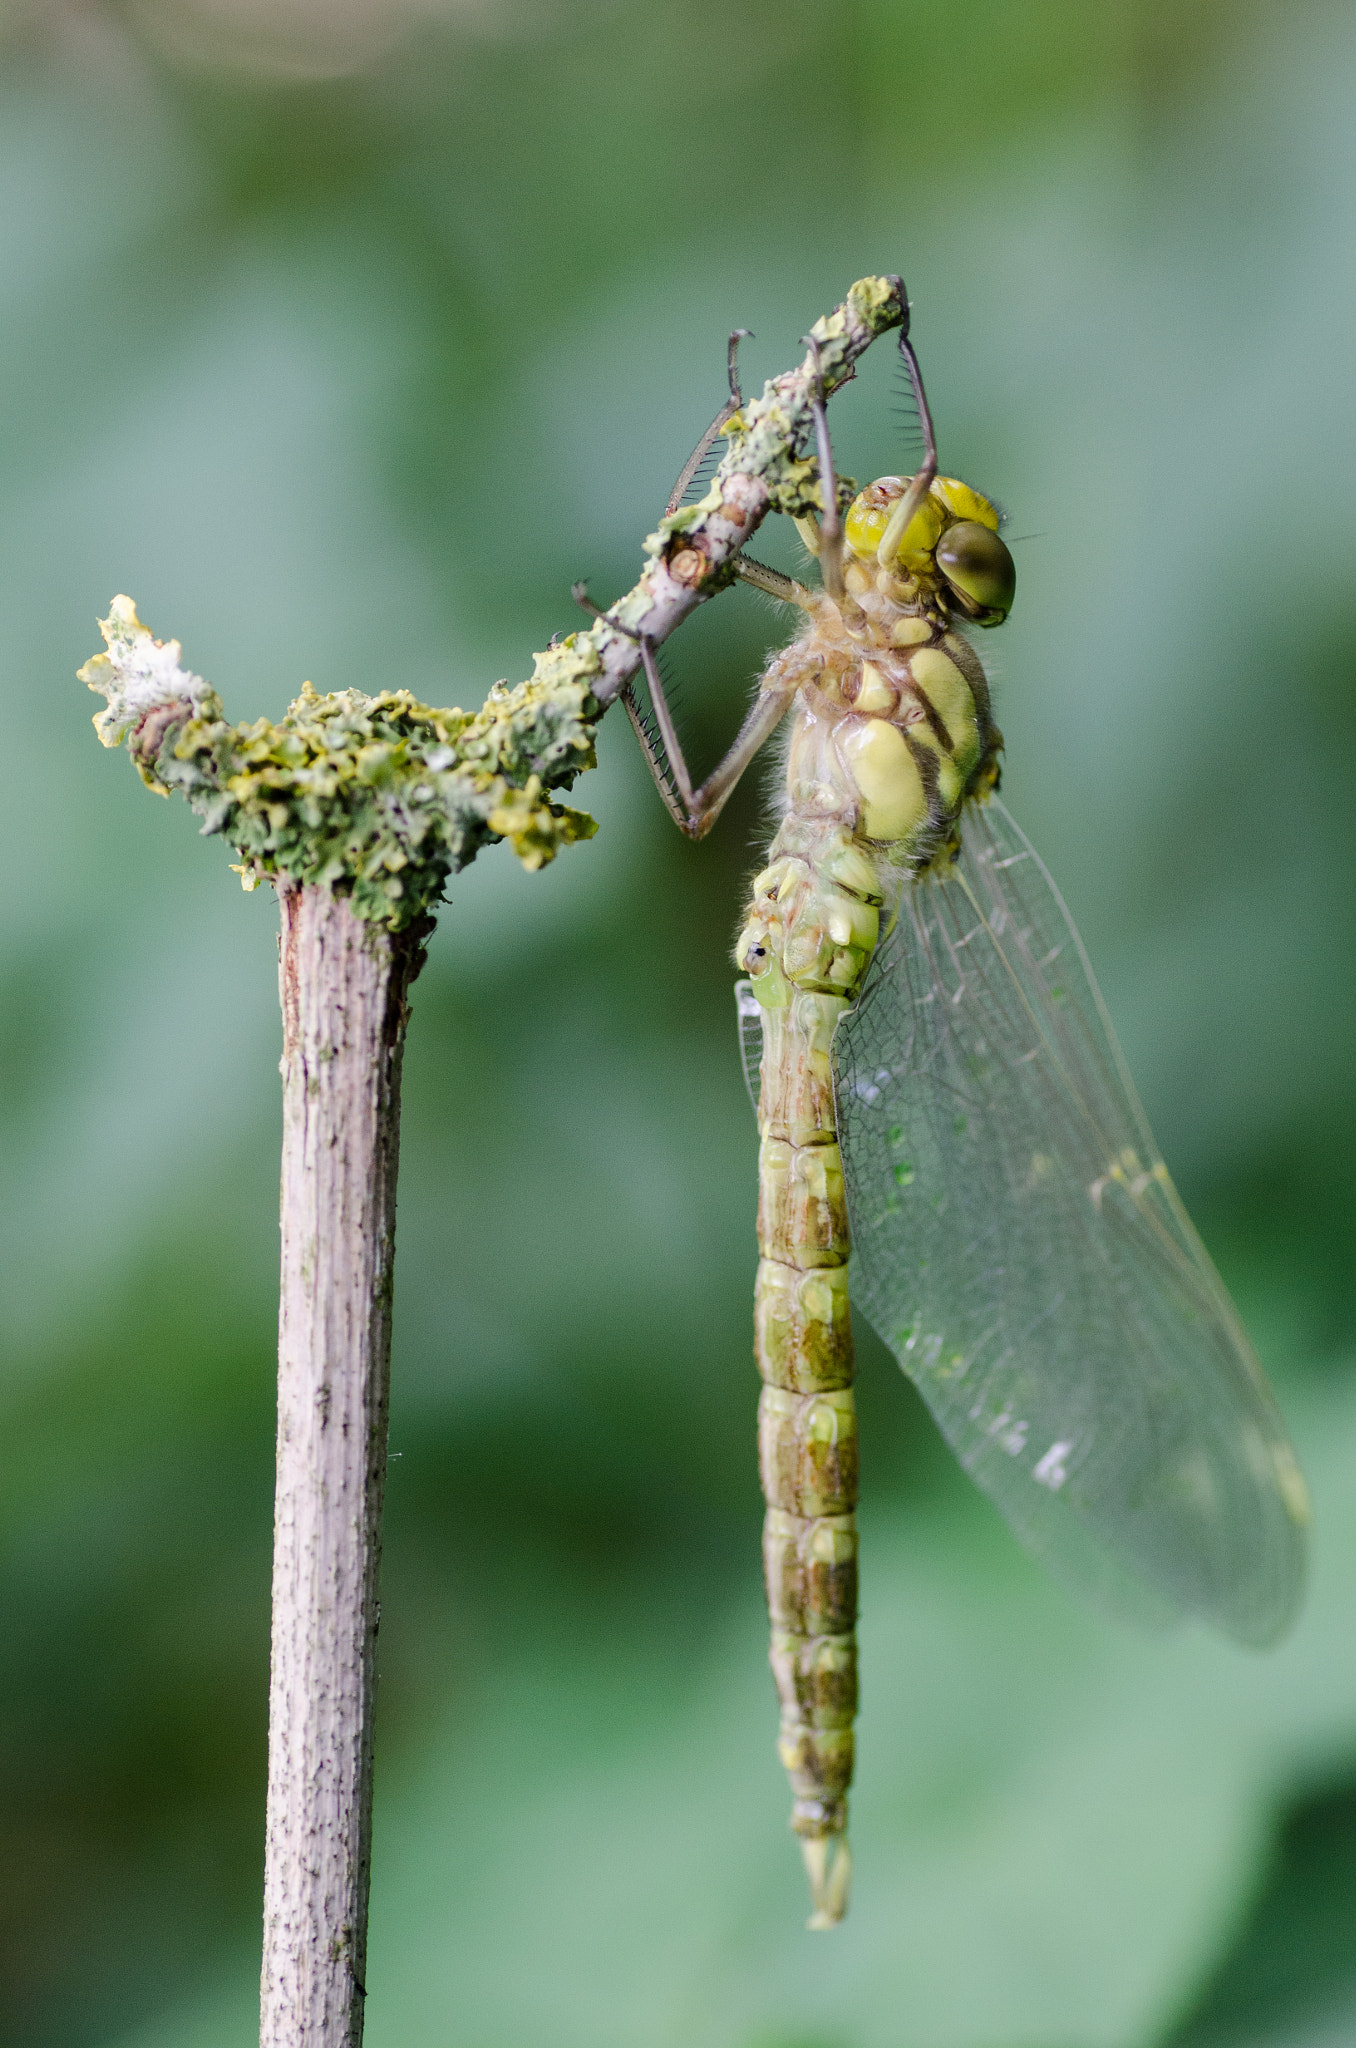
1019, 1246
749, 1016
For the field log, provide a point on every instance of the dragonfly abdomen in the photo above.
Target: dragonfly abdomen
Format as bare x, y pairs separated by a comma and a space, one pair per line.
888, 740
807, 1422
807, 1449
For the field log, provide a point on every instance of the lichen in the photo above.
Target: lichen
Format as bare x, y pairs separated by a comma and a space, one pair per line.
138, 673
380, 798
383, 798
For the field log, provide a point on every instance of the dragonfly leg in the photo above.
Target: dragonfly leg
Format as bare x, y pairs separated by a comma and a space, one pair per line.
771, 581
668, 732
653, 759
764, 716
830, 525
681, 794
784, 675
922, 483
695, 811
727, 412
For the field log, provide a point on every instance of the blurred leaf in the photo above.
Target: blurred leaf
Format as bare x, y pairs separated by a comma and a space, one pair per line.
1291, 1973
347, 377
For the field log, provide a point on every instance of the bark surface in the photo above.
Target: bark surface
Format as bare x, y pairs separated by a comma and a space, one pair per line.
343, 983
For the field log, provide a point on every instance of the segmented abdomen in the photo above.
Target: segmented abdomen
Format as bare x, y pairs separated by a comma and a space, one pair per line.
883, 752
807, 1428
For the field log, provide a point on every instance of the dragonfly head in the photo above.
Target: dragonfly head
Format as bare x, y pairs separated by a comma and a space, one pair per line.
950, 548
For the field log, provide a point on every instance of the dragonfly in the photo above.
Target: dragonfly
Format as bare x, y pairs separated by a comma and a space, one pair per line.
950, 1138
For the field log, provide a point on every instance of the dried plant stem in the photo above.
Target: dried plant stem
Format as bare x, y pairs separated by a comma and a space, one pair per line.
343, 983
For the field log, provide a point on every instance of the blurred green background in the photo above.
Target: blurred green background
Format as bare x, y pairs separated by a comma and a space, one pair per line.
343, 334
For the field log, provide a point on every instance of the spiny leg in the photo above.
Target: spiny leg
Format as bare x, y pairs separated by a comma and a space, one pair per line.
784, 675
903, 513
770, 580
653, 759
676, 759
830, 533
764, 715
695, 811
726, 413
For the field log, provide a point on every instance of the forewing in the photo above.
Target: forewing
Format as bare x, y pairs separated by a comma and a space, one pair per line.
1020, 1248
749, 1017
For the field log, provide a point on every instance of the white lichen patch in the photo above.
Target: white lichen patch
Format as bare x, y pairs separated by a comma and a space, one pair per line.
137, 674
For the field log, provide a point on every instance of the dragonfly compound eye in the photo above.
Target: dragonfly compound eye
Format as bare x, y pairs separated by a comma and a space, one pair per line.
979, 569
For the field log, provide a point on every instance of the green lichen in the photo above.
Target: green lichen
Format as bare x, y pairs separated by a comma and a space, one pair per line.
382, 798
379, 798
